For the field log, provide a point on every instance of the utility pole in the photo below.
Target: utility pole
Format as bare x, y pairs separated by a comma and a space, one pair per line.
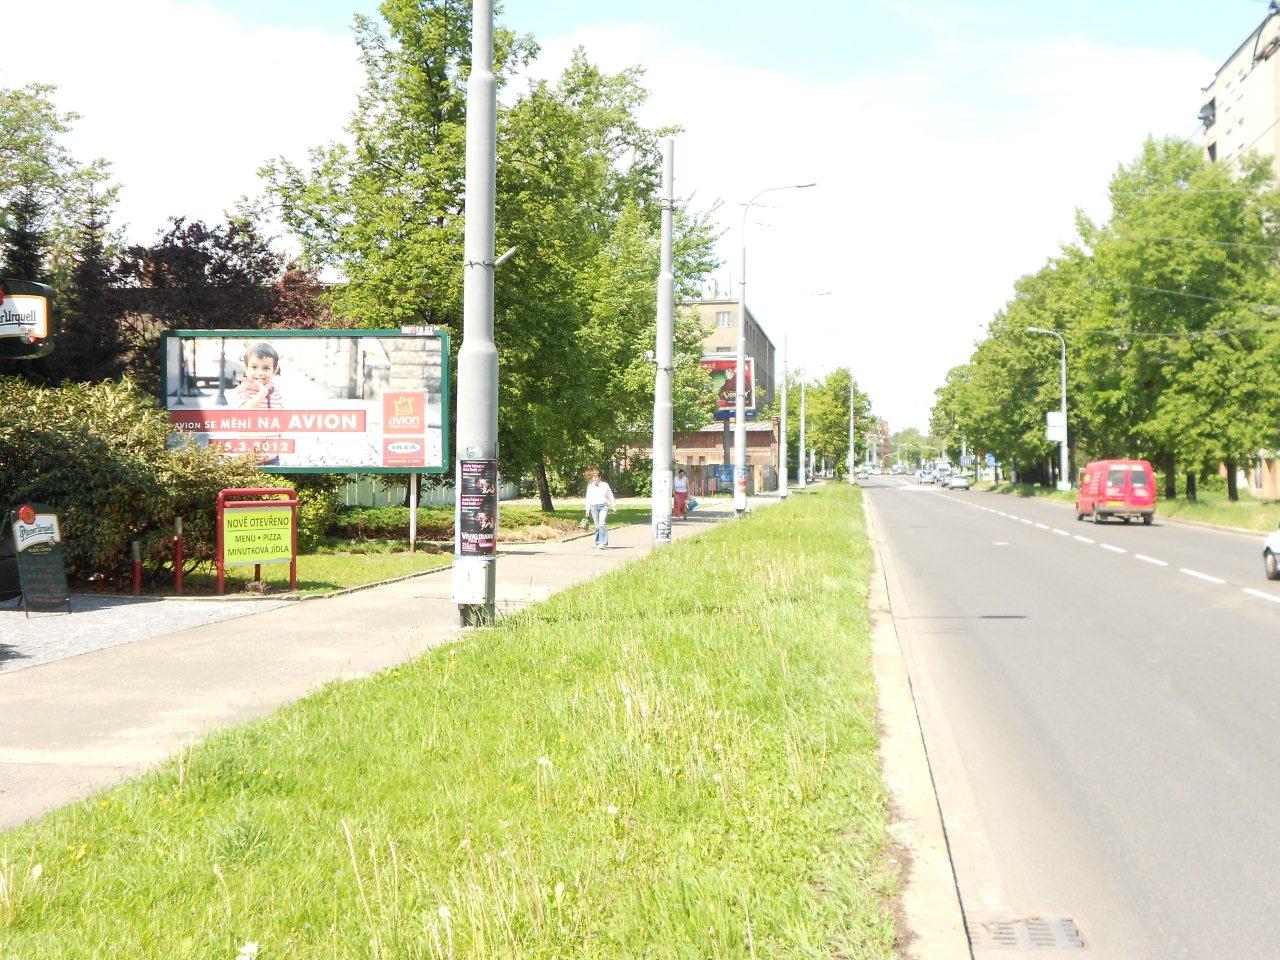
662, 438
802, 480
740, 406
782, 456
1064, 468
475, 558
849, 476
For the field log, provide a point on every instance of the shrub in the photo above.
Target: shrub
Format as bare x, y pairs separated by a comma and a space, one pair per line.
98, 454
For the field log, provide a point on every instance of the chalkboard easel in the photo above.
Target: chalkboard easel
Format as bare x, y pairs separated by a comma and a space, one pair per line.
37, 572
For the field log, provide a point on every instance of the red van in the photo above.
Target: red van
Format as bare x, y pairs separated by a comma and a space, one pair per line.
1117, 488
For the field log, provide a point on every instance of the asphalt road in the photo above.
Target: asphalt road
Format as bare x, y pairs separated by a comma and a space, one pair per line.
1101, 708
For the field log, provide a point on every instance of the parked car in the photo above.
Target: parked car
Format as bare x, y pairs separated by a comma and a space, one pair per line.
1117, 488
959, 481
1271, 555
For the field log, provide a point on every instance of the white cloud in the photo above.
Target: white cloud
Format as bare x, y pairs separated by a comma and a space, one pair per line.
186, 102
939, 184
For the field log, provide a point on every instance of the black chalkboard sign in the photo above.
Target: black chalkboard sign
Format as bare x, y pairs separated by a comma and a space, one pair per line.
34, 537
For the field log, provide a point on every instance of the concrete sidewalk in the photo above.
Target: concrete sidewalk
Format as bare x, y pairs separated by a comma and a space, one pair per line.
70, 727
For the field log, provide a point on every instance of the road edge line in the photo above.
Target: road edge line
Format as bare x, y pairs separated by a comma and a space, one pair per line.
930, 891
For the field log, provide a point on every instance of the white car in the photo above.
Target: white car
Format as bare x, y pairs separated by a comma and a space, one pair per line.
958, 481
1271, 555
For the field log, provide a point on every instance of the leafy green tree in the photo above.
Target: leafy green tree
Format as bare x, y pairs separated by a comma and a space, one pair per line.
576, 185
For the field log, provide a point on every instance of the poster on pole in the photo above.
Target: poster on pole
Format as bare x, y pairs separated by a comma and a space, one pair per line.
313, 401
478, 508
723, 368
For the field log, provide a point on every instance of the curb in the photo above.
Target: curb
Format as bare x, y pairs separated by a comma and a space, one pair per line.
930, 893
1203, 524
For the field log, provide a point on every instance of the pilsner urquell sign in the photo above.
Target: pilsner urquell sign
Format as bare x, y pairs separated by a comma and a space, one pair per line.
26, 319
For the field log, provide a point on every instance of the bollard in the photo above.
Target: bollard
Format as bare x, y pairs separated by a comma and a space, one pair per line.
179, 555
137, 568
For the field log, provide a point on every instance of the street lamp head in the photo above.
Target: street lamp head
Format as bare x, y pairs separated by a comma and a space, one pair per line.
1038, 330
802, 186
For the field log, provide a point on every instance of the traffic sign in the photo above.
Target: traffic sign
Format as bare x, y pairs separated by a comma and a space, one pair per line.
991, 459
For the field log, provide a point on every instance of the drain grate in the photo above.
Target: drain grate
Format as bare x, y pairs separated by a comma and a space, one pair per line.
1055, 933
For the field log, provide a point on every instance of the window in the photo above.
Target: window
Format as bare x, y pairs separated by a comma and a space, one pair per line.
724, 318
1138, 475
724, 349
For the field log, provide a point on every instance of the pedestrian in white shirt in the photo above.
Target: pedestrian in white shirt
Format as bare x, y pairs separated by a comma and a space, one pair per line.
599, 503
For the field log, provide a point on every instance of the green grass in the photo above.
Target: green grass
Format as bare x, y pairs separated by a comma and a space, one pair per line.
323, 572
653, 764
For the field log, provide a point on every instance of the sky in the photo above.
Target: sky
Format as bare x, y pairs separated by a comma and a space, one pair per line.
951, 140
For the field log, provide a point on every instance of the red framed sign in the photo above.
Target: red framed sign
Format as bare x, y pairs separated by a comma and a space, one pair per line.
256, 526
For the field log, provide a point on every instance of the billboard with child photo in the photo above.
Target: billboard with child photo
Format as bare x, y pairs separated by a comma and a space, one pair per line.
313, 401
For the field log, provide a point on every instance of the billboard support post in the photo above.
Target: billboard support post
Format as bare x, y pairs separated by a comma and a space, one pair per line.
474, 574
413, 512
661, 490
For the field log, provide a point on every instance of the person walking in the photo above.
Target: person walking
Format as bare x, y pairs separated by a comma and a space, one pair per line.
599, 502
680, 492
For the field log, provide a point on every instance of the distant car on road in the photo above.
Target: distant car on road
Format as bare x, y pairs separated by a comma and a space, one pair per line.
1117, 488
1271, 555
958, 481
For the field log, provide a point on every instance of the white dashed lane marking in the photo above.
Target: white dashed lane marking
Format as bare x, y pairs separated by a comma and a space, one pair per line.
1201, 576
1107, 546
1083, 539
1042, 526
1262, 594
1061, 533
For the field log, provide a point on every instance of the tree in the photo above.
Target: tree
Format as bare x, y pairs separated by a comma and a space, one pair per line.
90, 343
24, 237
196, 277
576, 181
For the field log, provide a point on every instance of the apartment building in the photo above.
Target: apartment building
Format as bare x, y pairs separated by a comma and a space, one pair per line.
719, 319
1241, 106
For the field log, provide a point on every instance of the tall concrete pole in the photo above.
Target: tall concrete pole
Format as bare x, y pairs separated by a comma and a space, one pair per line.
1064, 467
802, 479
474, 575
740, 407
782, 453
663, 353
849, 475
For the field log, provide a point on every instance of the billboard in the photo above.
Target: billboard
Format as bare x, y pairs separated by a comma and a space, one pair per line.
723, 368
313, 401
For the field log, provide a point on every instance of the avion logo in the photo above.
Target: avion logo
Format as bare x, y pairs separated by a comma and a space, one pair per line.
404, 411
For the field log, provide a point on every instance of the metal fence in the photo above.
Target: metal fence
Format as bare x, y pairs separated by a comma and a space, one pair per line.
371, 493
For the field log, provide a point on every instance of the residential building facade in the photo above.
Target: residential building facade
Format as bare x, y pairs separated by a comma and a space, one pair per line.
1241, 105
719, 318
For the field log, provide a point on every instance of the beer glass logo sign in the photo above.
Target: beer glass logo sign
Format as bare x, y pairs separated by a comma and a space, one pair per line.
25, 316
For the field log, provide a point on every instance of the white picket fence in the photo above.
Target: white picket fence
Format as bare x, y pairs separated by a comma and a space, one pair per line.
370, 493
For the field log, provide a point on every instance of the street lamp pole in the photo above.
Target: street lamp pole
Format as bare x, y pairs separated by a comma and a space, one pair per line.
782, 440
804, 451
740, 402
1064, 468
662, 430
849, 467
475, 562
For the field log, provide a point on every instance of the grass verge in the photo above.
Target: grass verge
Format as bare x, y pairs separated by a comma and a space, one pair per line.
654, 764
1210, 507
323, 572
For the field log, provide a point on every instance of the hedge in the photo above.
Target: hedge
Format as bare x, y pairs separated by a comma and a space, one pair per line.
99, 455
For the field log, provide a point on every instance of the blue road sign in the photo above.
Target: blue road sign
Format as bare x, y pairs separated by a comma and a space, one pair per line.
991, 459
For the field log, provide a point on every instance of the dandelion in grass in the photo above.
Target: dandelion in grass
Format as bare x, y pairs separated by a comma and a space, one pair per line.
249, 951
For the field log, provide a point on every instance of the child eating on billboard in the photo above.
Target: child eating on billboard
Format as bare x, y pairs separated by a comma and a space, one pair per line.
258, 389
